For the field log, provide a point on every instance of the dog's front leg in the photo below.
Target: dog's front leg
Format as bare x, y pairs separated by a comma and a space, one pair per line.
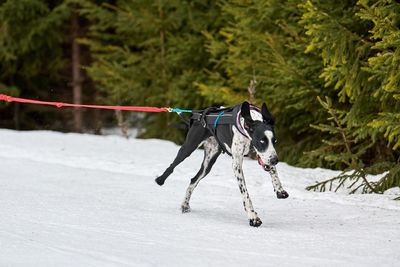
276, 183
248, 206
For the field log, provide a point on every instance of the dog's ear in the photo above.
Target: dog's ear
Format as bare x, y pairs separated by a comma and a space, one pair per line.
248, 120
267, 116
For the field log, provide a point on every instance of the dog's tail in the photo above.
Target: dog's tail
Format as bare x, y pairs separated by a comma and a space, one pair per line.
184, 118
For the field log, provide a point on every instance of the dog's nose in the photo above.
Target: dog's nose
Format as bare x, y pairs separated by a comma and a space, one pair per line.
274, 161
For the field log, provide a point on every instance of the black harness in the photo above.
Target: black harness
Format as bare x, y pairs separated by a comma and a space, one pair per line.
216, 119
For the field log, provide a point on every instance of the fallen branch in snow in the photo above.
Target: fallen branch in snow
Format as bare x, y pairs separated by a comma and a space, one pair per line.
121, 123
252, 89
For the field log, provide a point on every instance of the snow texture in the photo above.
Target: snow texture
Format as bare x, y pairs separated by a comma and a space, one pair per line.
84, 200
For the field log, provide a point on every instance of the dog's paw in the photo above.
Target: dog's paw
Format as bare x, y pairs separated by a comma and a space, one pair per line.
160, 180
255, 222
282, 194
185, 209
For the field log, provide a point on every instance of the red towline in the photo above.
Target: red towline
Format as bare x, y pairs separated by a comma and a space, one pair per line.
59, 105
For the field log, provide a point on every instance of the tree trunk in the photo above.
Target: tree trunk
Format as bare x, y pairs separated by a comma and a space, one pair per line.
97, 116
163, 61
76, 74
162, 52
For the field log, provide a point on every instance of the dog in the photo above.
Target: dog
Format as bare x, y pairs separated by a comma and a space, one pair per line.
244, 129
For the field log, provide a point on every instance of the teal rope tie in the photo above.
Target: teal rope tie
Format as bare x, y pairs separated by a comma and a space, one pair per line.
180, 110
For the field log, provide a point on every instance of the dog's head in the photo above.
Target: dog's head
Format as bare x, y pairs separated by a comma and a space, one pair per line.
260, 129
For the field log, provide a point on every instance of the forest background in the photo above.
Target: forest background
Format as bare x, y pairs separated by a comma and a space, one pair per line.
328, 70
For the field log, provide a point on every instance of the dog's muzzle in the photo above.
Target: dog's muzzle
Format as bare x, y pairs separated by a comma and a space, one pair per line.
265, 166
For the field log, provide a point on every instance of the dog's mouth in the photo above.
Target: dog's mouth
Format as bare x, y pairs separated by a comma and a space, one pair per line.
265, 166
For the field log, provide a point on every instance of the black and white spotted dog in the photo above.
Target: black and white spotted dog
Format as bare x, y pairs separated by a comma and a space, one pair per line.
239, 131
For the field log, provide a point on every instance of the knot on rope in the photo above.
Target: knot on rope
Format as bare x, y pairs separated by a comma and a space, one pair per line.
5, 98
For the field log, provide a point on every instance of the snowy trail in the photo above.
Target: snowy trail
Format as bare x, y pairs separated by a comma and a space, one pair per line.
83, 200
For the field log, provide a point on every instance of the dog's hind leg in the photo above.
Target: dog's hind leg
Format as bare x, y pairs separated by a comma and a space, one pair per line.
276, 183
211, 153
196, 135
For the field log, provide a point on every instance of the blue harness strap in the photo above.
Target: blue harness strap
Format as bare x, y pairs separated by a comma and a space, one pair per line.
215, 123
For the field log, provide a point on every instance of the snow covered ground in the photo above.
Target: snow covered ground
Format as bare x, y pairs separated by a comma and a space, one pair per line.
84, 200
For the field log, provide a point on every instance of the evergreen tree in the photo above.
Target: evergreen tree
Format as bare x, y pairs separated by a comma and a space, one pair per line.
30, 51
150, 53
301, 50
36, 56
263, 40
360, 60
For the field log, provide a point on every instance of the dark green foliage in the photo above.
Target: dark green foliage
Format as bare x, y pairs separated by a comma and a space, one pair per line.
263, 40
363, 65
30, 38
150, 53
301, 50
31, 53
339, 150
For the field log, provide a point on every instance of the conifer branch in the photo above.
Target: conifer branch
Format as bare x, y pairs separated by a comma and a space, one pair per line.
283, 62
362, 174
115, 8
345, 28
347, 144
358, 171
339, 125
